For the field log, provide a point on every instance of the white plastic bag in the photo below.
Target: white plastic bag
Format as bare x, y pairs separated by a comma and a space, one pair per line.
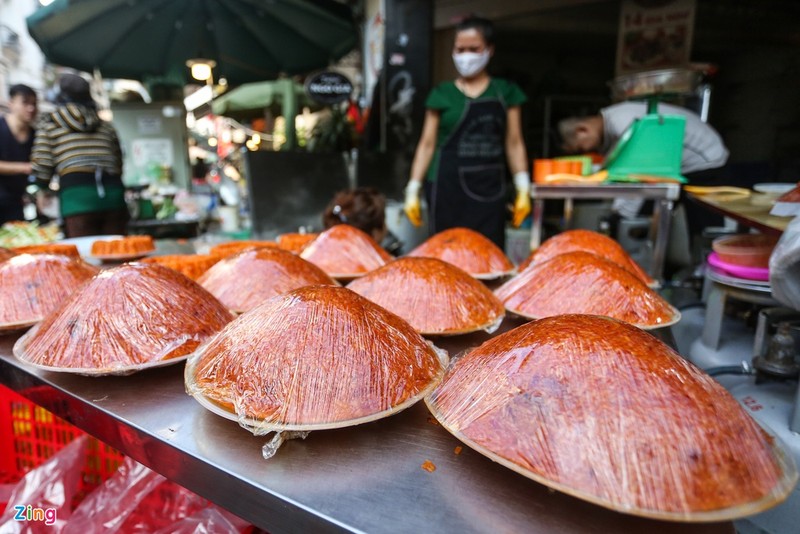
784, 267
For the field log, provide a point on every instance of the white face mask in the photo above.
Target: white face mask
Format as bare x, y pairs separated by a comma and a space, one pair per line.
471, 63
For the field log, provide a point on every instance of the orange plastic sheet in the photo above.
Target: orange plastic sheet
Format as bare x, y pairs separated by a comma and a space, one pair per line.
579, 282
125, 319
190, 265
587, 241
345, 252
314, 358
64, 249
469, 251
295, 242
234, 247
32, 285
434, 296
244, 281
598, 409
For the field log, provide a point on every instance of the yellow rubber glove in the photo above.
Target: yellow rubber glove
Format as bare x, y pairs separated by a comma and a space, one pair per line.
522, 204
411, 205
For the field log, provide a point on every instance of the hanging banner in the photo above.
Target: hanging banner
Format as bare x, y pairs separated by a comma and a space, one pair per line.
654, 34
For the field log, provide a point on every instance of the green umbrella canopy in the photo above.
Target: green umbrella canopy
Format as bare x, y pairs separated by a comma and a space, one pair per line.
250, 40
251, 99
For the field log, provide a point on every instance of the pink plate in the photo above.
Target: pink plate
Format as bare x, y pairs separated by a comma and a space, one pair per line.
740, 271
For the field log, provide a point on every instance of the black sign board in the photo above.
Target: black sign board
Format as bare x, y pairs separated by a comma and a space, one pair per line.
329, 87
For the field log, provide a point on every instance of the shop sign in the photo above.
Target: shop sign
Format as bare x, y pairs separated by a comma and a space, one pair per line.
329, 87
654, 34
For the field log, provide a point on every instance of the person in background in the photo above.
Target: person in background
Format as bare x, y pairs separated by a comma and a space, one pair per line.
365, 209
703, 148
471, 139
84, 152
703, 160
16, 142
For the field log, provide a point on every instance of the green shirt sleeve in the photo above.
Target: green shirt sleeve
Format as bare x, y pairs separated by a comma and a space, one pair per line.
437, 99
512, 93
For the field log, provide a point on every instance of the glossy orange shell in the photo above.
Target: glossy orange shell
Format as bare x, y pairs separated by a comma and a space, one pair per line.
587, 241
189, 265
468, 250
125, 319
345, 252
32, 285
6, 253
230, 248
579, 282
245, 280
315, 357
294, 242
601, 410
434, 296
64, 249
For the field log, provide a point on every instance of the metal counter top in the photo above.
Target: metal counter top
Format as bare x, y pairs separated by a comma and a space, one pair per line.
360, 479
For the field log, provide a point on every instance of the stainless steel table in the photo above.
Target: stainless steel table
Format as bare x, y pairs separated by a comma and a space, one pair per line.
664, 195
362, 479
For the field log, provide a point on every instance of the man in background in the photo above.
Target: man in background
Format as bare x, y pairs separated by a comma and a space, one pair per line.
16, 142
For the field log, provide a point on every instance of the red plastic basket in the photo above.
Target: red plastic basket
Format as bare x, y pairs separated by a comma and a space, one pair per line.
29, 435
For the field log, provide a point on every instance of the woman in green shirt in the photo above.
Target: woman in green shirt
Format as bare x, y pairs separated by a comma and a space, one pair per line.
471, 139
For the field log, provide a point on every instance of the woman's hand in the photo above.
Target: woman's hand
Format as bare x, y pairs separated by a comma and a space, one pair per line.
411, 205
522, 204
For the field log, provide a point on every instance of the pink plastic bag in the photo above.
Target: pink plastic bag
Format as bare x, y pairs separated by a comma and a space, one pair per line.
42, 501
138, 500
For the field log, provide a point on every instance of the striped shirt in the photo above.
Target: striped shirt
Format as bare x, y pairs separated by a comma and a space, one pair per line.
75, 139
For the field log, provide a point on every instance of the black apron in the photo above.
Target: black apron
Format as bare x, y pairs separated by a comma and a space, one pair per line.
471, 186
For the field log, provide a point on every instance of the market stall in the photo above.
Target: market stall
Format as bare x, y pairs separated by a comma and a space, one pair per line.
367, 478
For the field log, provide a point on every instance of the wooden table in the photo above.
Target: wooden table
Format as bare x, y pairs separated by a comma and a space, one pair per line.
744, 211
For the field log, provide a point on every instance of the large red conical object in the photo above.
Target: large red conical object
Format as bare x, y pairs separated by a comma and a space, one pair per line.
345, 252
245, 280
33, 285
313, 358
587, 241
469, 251
605, 412
434, 296
125, 319
579, 282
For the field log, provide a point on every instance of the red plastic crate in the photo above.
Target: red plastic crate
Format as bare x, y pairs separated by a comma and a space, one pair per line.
29, 435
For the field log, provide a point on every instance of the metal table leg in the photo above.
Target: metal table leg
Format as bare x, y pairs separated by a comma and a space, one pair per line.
663, 217
536, 223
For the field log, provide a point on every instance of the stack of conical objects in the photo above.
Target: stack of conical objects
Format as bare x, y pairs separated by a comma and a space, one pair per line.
63, 249
579, 282
600, 410
435, 297
190, 265
587, 241
469, 251
314, 358
229, 248
344, 252
33, 285
245, 280
124, 320
295, 242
